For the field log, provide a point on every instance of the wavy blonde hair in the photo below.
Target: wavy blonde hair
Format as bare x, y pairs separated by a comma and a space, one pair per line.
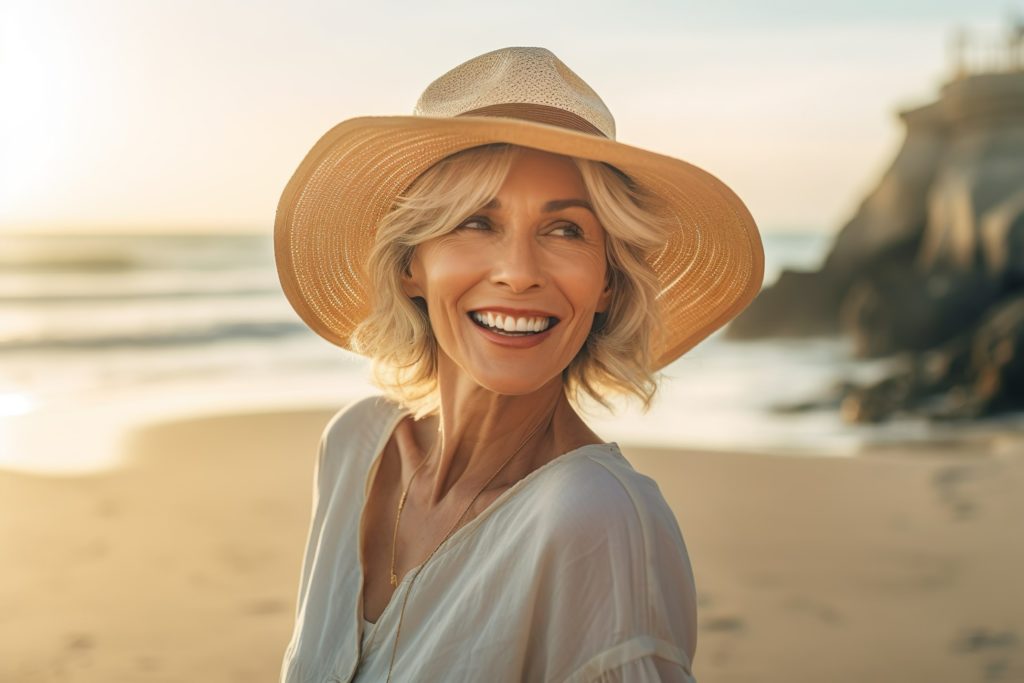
616, 355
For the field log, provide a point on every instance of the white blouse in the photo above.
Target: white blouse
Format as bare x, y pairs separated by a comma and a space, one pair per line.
576, 573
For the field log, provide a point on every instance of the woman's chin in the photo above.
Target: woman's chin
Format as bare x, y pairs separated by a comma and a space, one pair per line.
518, 383
510, 372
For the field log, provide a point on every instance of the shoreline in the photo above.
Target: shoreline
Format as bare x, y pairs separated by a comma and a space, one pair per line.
183, 563
101, 433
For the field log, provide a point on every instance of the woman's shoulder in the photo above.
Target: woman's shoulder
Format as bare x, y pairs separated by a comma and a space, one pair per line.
602, 479
362, 415
597, 492
599, 513
355, 433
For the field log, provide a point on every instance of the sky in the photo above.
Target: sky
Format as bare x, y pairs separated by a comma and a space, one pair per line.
134, 115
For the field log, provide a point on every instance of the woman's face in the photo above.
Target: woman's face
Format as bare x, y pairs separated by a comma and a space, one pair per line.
512, 291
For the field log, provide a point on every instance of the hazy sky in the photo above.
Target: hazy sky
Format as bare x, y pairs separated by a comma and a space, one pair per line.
143, 115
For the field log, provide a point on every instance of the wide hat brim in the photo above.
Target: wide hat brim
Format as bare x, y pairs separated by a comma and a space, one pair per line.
710, 269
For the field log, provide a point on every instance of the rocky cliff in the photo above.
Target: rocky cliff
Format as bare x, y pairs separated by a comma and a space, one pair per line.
931, 266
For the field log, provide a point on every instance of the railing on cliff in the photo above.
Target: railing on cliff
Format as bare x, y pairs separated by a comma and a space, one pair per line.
971, 53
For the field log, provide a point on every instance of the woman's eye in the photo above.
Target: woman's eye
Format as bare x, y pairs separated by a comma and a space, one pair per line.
475, 223
568, 230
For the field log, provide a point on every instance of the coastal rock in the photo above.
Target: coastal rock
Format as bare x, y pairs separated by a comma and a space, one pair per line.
973, 374
889, 223
1002, 241
892, 308
931, 265
814, 292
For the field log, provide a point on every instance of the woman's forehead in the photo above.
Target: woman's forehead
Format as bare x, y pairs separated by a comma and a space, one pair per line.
528, 156
546, 173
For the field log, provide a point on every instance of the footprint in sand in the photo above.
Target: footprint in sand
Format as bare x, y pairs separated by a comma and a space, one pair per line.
994, 645
728, 624
80, 642
147, 663
723, 632
820, 610
268, 606
949, 483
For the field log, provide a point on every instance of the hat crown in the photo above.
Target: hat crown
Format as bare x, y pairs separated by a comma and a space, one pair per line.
520, 82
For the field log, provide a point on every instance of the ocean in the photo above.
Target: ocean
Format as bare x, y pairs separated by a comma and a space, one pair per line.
101, 332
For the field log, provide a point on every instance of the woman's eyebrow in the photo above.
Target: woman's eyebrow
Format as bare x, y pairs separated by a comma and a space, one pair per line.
553, 205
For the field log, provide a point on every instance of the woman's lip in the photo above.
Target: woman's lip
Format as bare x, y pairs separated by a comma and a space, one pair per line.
517, 312
518, 342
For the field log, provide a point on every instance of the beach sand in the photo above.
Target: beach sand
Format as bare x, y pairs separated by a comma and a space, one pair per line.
183, 565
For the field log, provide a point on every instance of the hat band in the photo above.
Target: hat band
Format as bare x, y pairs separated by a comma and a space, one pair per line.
540, 113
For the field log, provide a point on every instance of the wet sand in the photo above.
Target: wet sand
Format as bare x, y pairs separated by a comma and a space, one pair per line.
183, 565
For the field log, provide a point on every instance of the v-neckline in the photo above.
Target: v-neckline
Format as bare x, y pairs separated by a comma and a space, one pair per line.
449, 542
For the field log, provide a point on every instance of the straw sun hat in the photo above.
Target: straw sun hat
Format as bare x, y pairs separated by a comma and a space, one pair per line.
710, 269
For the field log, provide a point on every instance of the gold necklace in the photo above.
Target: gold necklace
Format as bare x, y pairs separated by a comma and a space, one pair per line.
401, 504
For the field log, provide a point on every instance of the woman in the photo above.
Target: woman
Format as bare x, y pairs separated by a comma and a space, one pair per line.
500, 257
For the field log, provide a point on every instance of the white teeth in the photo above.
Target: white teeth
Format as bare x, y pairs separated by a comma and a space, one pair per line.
508, 323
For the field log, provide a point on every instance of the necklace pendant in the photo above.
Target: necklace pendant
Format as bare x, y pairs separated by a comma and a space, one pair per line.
394, 579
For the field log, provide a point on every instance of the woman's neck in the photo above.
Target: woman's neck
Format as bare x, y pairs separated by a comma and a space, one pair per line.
478, 430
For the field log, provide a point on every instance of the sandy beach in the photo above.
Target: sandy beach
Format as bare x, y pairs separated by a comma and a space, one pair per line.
898, 565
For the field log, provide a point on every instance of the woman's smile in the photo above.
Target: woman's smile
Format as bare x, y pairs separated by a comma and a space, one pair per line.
513, 323
513, 332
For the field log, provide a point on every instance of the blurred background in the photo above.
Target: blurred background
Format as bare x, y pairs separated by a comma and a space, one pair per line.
144, 146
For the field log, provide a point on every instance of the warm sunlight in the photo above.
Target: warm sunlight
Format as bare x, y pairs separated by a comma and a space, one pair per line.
240, 241
14, 403
145, 116
44, 83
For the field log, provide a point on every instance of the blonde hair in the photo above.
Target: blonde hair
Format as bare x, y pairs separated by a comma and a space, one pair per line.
616, 355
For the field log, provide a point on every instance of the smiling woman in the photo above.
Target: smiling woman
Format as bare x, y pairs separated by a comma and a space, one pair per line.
499, 255
594, 223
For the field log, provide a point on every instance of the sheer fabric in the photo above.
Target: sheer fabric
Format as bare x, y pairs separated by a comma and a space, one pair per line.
649, 669
577, 573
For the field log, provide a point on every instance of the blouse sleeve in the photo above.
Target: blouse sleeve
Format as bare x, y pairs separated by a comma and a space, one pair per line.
640, 659
621, 594
327, 471
316, 521
649, 669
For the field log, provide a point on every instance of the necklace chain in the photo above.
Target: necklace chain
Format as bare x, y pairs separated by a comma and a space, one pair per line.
401, 504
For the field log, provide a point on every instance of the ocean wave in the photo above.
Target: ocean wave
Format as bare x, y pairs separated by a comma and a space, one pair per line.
124, 253
139, 295
84, 263
196, 336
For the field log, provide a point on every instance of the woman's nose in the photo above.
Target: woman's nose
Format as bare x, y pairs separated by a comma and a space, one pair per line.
517, 264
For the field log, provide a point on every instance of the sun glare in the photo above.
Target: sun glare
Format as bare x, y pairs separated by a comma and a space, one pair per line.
12, 404
41, 80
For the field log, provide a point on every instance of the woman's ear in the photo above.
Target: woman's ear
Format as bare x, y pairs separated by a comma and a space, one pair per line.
410, 283
605, 300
